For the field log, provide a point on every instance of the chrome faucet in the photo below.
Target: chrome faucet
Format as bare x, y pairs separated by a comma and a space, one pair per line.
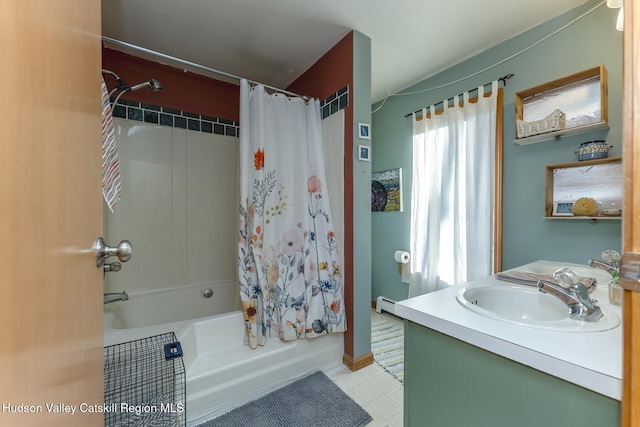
612, 264
117, 296
576, 296
609, 268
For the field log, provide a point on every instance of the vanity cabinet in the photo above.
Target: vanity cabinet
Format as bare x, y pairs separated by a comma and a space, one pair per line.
450, 383
600, 179
581, 98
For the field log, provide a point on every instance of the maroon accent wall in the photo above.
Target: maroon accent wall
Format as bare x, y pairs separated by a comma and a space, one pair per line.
188, 91
330, 73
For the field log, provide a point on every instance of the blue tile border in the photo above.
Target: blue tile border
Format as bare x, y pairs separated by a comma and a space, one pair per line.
175, 118
334, 103
185, 120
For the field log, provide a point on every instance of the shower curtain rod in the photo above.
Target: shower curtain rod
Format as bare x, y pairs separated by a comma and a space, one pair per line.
504, 83
194, 65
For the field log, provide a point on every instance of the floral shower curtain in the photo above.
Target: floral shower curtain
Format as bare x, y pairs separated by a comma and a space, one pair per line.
290, 280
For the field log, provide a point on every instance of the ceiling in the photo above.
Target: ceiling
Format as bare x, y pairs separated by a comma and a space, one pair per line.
275, 41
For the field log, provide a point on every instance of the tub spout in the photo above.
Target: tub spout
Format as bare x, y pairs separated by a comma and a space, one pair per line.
117, 296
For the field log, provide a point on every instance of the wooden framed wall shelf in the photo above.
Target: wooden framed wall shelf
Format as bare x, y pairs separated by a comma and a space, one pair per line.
582, 97
600, 179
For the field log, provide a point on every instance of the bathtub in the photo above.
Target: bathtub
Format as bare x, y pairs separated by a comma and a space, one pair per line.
222, 373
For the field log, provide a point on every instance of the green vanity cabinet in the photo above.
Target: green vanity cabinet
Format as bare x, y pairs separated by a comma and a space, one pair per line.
450, 383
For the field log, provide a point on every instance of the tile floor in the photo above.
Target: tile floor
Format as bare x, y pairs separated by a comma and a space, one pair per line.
374, 389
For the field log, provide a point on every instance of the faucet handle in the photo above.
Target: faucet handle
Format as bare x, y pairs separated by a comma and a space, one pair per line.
610, 256
566, 277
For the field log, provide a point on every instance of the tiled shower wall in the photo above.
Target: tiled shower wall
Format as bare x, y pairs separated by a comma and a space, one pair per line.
178, 207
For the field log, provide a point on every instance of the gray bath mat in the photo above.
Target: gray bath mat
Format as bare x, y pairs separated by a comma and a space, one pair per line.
313, 401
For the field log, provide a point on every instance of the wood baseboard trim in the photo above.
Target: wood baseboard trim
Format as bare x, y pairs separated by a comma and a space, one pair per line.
357, 363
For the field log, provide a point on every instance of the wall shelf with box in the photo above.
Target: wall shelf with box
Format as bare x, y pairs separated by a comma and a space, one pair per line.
572, 105
597, 182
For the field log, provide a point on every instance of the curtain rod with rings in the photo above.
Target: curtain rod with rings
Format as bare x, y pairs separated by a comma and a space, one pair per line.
195, 65
502, 79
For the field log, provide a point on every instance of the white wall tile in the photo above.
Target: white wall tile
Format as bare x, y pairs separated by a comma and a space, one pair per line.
178, 207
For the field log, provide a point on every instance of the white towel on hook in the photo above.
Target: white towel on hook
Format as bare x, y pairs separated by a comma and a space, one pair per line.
111, 187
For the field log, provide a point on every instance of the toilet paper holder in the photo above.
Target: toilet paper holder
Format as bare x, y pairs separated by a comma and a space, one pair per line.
403, 258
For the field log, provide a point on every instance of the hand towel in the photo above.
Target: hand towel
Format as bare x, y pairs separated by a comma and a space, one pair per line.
110, 165
532, 279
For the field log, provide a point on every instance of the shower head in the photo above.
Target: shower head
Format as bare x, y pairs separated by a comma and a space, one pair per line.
153, 85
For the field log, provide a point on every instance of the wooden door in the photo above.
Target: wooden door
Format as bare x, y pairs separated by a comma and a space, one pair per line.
631, 212
50, 213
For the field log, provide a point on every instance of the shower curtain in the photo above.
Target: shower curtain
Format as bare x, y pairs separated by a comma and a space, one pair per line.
290, 280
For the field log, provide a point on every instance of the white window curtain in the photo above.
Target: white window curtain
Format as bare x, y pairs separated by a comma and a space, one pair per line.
452, 195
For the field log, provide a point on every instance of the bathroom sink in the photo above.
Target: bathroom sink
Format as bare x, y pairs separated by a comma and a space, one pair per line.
526, 306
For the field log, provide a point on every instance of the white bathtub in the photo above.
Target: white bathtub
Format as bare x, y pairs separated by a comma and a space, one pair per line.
222, 373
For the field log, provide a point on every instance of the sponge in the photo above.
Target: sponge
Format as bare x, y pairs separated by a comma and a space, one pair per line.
585, 206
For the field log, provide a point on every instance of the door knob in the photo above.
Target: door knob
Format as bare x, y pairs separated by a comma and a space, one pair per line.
102, 251
630, 271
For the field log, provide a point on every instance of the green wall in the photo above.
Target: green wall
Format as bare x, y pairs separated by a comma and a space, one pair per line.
590, 41
361, 102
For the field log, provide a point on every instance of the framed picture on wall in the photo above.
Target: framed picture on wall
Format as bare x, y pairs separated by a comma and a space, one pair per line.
364, 153
364, 131
386, 191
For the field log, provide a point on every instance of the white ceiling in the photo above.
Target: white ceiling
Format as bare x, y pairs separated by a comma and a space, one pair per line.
275, 41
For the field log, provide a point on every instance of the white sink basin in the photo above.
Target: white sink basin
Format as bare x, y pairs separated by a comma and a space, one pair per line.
526, 306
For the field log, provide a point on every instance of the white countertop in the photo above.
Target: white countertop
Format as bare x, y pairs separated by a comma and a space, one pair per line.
589, 359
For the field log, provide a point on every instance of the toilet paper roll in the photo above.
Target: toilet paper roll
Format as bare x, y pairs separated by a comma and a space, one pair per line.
402, 257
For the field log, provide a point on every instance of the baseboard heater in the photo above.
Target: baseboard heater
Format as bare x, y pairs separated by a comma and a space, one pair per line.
386, 304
